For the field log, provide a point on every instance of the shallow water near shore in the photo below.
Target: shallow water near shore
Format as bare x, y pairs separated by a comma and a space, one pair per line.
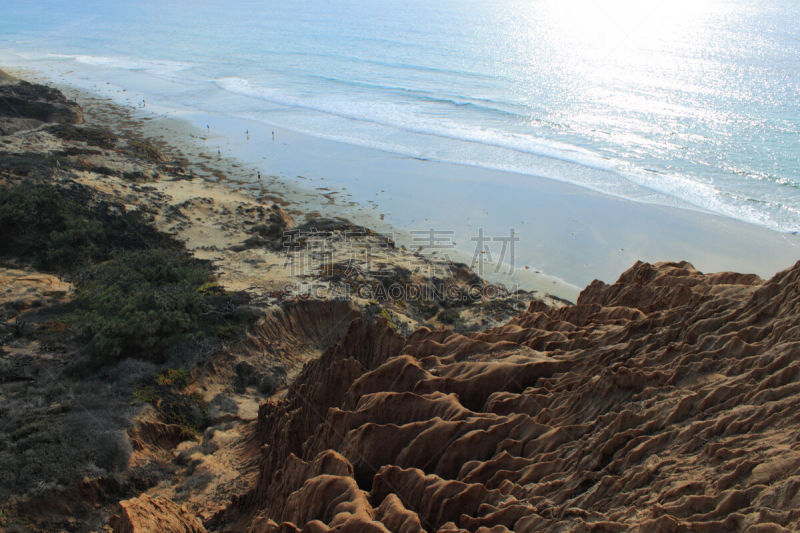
467, 117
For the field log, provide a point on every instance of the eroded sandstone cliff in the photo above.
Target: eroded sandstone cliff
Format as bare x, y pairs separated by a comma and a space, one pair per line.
667, 401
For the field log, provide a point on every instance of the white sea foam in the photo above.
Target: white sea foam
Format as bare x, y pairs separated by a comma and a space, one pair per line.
406, 117
566, 163
126, 63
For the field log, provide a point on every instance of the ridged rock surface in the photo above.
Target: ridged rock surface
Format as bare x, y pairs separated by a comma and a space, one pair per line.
146, 515
668, 401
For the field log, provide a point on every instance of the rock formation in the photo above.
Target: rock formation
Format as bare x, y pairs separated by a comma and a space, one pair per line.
24, 105
154, 514
667, 401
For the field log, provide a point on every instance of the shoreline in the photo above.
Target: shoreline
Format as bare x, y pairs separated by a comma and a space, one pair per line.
569, 235
306, 194
228, 185
568, 232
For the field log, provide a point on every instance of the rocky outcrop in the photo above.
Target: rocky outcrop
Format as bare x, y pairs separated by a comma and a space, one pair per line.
25, 105
145, 515
664, 402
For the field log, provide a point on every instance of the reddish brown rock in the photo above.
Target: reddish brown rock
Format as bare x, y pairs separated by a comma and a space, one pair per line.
664, 402
146, 515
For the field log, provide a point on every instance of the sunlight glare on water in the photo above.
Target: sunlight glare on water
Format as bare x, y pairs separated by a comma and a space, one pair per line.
689, 103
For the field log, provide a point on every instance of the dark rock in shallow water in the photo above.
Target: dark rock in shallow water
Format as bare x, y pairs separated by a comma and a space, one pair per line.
23, 101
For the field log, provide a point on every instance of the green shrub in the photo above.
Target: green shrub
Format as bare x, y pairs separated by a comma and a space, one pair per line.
385, 314
140, 303
61, 229
428, 309
176, 406
173, 377
138, 292
449, 316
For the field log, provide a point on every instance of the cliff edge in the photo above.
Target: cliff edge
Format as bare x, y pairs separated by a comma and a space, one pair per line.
665, 402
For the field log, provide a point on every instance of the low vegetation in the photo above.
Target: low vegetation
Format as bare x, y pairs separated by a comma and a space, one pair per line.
138, 292
175, 405
140, 303
64, 229
91, 136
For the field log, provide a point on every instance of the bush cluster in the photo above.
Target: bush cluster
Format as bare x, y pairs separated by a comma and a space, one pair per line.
175, 405
62, 229
140, 303
138, 292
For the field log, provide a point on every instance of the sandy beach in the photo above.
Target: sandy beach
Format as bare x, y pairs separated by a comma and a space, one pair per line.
568, 235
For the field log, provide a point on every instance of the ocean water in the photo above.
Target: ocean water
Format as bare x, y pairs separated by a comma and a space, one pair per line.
682, 103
